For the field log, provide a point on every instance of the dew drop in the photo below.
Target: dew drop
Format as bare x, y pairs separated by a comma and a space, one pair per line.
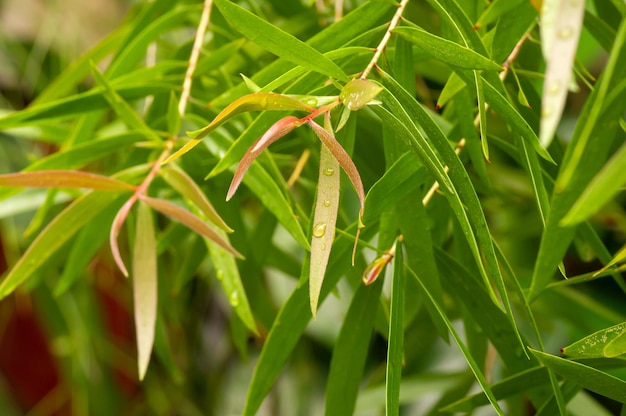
234, 299
328, 171
546, 112
565, 32
323, 246
319, 230
219, 274
327, 203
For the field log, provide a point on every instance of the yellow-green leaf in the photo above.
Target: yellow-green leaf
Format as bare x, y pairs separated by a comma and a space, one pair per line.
144, 286
608, 342
64, 179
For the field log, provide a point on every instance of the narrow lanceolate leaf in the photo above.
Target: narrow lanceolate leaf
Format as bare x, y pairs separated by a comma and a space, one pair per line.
396, 336
64, 179
445, 50
258, 101
228, 275
182, 182
144, 286
62, 228
607, 183
190, 220
594, 380
278, 130
343, 158
482, 114
324, 221
561, 23
277, 41
596, 344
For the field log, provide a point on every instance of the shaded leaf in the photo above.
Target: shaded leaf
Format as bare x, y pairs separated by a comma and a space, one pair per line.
277, 41
144, 286
62, 228
396, 335
594, 380
445, 50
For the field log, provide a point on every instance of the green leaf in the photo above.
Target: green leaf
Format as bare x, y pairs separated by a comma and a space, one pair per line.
350, 352
396, 335
357, 93
227, 274
594, 380
61, 229
277, 41
144, 286
596, 344
324, 221
64, 179
604, 186
446, 51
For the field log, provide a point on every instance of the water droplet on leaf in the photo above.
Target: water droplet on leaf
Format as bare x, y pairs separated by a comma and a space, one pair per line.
319, 230
328, 171
327, 203
234, 299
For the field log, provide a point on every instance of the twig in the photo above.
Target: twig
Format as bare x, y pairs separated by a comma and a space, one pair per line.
383, 43
460, 145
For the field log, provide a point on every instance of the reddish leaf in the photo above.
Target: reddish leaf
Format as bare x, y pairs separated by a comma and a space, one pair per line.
193, 222
116, 227
278, 130
64, 179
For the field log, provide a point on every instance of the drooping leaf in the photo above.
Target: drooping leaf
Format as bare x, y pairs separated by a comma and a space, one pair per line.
447, 51
324, 221
396, 334
183, 183
64, 179
116, 227
342, 158
259, 101
561, 24
144, 286
279, 129
190, 220
277, 41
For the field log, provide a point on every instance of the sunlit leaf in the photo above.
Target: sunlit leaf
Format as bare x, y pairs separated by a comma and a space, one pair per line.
561, 23
596, 344
278, 130
258, 101
357, 93
324, 220
190, 220
144, 286
343, 159
64, 179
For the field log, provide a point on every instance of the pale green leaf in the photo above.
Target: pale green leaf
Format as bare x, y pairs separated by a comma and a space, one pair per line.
596, 344
144, 286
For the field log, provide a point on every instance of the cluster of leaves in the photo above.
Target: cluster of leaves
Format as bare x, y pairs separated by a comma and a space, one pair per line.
455, 188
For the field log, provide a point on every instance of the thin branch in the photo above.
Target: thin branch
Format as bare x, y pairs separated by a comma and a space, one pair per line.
460, 145
383, 43
338, 10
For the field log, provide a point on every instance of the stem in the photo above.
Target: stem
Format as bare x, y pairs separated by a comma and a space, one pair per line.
383, 43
